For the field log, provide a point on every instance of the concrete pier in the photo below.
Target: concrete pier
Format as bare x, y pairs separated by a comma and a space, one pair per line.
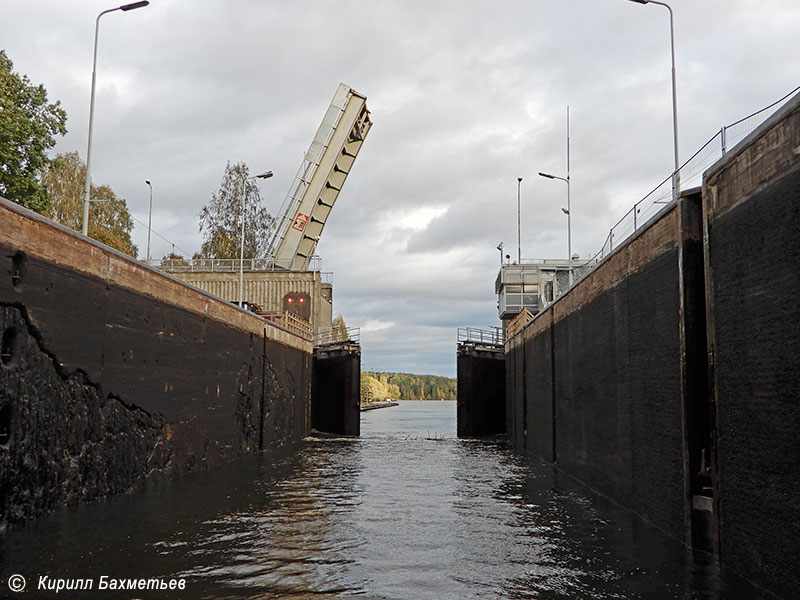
481, 409
336, 388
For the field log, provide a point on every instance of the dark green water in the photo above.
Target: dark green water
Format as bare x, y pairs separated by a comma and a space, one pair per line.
407, 511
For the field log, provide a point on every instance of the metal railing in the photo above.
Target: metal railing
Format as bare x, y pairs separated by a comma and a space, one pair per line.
483, 337
333, 335
183, 265
290, 321
691, 173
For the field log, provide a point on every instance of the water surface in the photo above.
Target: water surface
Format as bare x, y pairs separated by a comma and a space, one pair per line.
405, 512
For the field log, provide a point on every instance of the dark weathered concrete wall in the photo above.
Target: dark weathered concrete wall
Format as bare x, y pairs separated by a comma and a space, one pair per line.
676, 366
752, 203
515, 393
63, 440
600, 374
481, 406
540, 388
132, 373
336, 389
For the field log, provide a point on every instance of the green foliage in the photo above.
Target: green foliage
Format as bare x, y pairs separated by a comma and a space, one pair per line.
175, 259
406, 386
109, 219
220, 219
110, 222
338, 329
28, 124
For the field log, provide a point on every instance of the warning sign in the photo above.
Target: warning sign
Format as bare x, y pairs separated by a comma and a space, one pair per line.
300, 222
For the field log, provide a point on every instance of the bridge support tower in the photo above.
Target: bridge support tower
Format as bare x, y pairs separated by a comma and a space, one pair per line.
336, 388
481, 405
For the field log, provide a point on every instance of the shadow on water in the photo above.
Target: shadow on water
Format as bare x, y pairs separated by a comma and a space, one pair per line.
406, 511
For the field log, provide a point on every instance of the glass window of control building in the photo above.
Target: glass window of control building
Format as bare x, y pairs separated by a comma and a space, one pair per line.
533, 284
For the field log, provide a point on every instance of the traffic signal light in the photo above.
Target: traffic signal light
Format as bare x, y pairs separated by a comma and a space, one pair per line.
299, 304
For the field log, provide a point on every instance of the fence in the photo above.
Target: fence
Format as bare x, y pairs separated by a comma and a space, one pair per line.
333, 335
483, 337
182, 265
690, 175
290, 321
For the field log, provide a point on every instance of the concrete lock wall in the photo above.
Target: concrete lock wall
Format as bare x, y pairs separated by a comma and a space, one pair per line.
481, 387
752, 205
336, 389
669, 378
114, 372
539, 390
596, 381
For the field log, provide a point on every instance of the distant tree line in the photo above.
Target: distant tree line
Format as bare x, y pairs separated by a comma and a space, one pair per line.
406, 386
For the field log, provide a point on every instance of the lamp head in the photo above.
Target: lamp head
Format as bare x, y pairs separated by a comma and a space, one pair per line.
134, 5
547, 175
640, 1
147, 181
565, 211
265, 175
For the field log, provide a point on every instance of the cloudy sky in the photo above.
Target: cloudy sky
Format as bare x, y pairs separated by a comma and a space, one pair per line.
466, 96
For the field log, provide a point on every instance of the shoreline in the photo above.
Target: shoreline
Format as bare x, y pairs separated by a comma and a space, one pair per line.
377, 405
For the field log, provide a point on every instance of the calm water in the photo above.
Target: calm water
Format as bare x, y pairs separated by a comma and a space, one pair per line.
407, 511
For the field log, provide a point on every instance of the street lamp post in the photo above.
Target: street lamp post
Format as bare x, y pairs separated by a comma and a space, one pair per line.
676, 177
88, 181
567, 211
519, 211
265, 175
149, 219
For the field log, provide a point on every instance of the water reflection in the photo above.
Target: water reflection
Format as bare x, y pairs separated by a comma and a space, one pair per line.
407, 511
287, 541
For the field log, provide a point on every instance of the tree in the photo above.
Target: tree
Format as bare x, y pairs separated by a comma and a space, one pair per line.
338, 329
64, 179
28, 124
220, 219
109, 219
110, 222
175, 258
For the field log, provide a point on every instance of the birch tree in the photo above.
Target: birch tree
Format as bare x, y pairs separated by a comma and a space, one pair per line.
220, 219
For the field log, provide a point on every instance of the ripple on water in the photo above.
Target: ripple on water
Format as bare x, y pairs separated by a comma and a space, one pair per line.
407, 511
